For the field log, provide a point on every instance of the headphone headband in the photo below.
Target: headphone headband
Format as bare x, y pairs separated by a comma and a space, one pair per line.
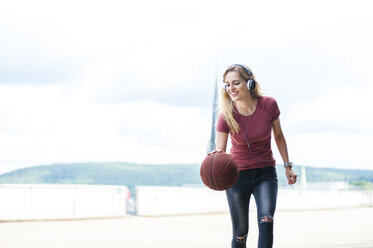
246, 69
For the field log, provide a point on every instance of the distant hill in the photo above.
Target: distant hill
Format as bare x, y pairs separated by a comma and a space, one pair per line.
132, 175
128, 174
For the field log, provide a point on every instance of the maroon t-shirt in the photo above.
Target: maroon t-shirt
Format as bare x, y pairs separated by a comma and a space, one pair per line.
255, 152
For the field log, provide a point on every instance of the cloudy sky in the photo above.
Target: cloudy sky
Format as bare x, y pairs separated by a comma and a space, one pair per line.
133, 81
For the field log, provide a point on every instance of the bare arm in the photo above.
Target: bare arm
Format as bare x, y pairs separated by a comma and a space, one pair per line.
280, 140
282, 148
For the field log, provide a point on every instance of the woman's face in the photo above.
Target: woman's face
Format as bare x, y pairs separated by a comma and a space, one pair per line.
236, 86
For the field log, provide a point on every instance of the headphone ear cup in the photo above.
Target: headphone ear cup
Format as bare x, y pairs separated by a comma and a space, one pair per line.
251, 83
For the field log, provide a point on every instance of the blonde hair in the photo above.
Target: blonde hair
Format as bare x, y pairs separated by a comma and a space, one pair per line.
226, 104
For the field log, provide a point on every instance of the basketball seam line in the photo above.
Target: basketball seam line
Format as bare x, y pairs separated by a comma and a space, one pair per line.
226, 164
212, 179
207, 178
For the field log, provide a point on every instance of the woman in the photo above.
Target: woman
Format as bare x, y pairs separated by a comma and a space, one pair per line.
249, 118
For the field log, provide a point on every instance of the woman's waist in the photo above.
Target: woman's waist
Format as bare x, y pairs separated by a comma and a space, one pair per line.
248, 161
251, 153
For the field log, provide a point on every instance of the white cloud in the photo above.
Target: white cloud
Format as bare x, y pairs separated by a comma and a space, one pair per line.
50, 124
333, 150
114, 80
342, 110
335, 130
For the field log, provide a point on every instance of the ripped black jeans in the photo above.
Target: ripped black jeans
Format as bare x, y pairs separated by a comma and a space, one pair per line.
263, 184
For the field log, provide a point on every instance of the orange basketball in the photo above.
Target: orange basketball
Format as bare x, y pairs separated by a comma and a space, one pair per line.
219, 171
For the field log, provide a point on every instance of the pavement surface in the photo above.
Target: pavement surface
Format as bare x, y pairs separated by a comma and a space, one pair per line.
338, 228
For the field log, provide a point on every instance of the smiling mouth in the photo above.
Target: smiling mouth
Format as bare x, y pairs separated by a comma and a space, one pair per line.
234, 93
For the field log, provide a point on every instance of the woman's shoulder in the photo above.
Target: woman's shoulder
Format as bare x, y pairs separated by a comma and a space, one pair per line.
268, 104
267, 101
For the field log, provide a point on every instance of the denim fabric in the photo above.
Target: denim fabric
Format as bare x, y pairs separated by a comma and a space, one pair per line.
263, 184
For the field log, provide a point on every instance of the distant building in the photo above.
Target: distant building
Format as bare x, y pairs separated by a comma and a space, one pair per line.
215, 113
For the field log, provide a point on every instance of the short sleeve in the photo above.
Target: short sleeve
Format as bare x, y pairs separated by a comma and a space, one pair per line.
222, 125
274, 109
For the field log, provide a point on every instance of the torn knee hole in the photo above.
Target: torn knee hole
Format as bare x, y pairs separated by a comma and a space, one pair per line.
241, 238
266, 219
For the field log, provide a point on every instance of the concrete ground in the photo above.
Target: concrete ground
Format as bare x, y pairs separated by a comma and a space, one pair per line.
339, 228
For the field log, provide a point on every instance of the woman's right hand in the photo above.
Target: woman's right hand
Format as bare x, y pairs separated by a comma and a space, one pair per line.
214, 151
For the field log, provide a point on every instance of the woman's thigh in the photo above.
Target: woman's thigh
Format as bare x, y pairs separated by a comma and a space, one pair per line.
238, 200
265, 192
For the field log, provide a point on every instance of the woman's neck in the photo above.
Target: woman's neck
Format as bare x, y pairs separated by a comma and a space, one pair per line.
247, 106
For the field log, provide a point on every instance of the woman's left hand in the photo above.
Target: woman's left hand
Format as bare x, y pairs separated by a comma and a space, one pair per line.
291, 176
